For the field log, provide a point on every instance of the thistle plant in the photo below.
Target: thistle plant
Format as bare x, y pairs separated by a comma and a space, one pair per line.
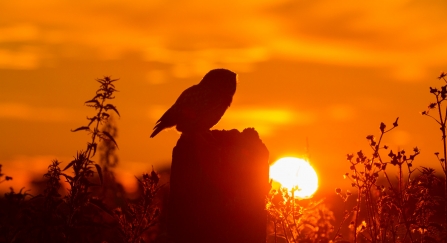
387, 210
78, 215
81, 214
294, 220
440, 117
137, 217
82, 165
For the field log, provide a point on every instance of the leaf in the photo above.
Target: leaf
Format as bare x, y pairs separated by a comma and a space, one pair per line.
93, 146
105, 115
97, 96
110, 137
360, 154
95, 103
111, 107
99, 170
110, 90
81, 128
395, 123
391, 154
382, 127
154, 176
69, 178
93, 119
69, 165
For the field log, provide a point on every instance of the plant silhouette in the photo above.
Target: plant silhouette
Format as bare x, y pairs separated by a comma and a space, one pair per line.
6, 178
391, 211
81, 215
440, 118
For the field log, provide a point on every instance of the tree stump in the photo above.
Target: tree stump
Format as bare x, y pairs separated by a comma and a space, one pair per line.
219, 182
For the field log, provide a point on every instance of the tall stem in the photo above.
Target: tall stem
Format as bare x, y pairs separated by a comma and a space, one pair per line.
443, 163
445, 177
357, 214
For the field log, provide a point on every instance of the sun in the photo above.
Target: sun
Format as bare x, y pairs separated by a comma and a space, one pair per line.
291, 172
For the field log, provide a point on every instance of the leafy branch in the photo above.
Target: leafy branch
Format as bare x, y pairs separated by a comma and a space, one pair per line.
392, 213
7, 178
441, 119
82, 164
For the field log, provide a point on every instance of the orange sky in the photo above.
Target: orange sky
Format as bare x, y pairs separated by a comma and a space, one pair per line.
327, 71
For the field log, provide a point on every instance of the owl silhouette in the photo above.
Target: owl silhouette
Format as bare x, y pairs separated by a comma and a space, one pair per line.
200, 106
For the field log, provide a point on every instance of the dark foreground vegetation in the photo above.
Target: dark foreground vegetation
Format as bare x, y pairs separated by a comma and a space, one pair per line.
93, 206
411, 208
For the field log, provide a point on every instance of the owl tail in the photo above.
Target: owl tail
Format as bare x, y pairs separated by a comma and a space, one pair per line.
165, 121
157, 129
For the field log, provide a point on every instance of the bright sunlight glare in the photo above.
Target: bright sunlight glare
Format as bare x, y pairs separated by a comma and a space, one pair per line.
293, 172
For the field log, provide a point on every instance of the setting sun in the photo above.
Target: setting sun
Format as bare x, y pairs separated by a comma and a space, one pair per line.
293, 172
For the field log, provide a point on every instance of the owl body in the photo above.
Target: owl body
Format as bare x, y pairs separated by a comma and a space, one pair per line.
200, 106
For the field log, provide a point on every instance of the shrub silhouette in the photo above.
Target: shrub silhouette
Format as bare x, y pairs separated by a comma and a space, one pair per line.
81, 215
440, 118
386, 209
391, 211
6, 178
404, 210
294, 220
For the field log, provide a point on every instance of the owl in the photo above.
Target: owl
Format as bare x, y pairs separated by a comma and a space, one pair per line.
200, 106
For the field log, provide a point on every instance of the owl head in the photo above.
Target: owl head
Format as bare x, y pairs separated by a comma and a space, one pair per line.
221, 79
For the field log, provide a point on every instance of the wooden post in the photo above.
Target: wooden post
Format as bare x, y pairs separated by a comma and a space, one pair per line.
219, 182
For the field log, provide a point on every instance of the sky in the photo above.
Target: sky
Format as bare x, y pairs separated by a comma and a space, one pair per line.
314, 77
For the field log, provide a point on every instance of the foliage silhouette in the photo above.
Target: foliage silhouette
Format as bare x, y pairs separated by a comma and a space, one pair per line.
389, 211
7, 178
441, 119
295, 220
386, 210
81, 215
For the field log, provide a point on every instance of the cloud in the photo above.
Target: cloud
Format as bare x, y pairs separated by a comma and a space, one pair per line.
401, 138
272, 116
16, 48
32, 113
24, 58
189, 63
400, 35
156, 76
265, 120
18, 32
194, 36
341, 112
